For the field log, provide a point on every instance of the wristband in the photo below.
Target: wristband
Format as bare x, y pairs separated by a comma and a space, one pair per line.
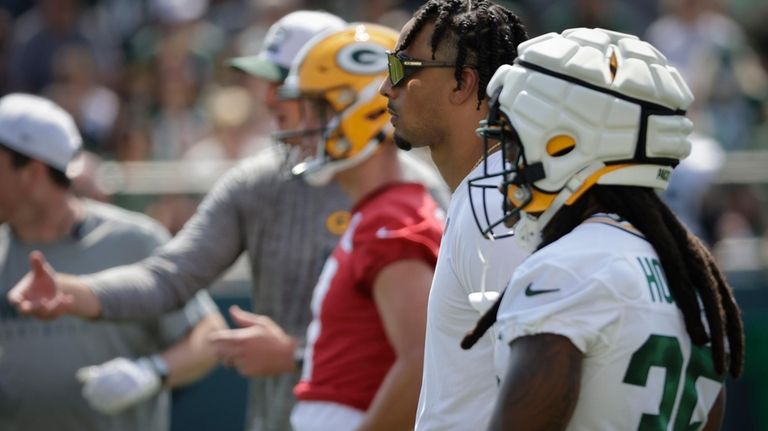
298, 356
160, 366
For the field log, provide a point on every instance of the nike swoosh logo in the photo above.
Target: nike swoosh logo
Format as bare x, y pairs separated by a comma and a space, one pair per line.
530, 292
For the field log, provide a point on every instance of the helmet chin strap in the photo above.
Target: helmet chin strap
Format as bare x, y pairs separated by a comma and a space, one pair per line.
528, 230
319, 172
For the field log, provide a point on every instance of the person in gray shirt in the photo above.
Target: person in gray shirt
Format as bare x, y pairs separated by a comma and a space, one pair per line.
70, 373
286, 227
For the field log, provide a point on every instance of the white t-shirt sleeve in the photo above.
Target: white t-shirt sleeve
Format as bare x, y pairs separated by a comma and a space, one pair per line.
547, 298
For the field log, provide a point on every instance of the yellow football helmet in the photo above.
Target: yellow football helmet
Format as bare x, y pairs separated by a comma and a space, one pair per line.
341, 71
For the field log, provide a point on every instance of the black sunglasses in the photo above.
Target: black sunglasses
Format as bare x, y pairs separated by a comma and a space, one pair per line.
402, 66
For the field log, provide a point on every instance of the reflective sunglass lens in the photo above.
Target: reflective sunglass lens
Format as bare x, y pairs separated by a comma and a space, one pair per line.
396, 71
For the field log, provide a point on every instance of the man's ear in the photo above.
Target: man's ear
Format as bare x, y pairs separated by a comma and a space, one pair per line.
468, 87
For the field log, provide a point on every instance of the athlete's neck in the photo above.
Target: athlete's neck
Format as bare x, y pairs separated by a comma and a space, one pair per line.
458, 154
381, 168
49, 221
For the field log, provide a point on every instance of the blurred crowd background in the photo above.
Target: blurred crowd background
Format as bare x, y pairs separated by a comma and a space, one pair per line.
147, 81
162, 115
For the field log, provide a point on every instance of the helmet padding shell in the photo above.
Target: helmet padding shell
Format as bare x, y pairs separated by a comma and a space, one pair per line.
590, 96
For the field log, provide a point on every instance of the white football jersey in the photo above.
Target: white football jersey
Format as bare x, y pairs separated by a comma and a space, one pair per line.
602, 286
458, 386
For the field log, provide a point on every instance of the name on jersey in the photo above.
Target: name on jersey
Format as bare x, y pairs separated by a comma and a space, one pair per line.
654, 277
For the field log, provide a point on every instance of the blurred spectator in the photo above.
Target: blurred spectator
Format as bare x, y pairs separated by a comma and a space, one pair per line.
172, 62
180, 20
394, 18
45, 29
542, 16
6, 32
231, 16
373, 11
39, 34
758, 33
264, 13
230, 111
176, 120
77, 90
740, 246
691, 180
617, 15
734, 217
82, 171
739, 210
133, 141
711, 52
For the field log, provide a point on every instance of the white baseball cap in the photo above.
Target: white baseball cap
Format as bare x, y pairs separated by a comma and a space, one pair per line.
39, 129
283, 41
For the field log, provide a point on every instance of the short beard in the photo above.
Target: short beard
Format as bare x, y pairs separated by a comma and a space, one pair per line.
402, 143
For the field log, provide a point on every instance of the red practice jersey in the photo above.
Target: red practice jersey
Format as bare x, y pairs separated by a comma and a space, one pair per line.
348, 353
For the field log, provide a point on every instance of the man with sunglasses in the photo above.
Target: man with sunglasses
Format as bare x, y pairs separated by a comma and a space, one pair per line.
436, 88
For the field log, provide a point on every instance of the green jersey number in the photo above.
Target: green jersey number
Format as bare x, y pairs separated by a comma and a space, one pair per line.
665, 352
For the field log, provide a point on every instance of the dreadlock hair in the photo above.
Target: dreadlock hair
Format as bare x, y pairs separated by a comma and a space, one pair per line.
485, 34
693, 277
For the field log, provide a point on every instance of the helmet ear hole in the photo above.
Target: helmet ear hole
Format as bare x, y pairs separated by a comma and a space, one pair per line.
560, 145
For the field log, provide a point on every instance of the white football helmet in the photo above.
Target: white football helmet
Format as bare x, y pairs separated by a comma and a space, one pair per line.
585, 107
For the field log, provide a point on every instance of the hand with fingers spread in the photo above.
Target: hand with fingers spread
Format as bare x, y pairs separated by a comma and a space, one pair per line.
38, 294
258, 347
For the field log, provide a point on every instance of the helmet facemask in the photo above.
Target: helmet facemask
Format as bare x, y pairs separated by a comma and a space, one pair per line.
515, 180
301, 143
326, 131
497, 134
